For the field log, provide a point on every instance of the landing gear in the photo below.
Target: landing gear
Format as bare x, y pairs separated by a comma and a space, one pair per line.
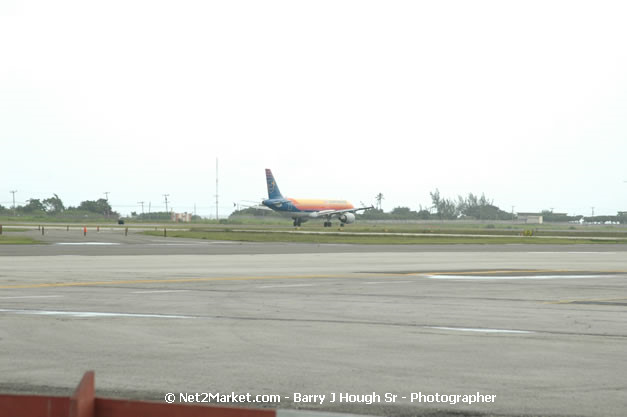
297, 222
327, 224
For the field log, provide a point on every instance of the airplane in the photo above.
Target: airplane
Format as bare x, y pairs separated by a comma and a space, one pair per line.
301, 210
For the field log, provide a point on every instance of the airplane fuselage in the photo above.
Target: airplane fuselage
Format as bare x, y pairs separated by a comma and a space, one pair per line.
299, 207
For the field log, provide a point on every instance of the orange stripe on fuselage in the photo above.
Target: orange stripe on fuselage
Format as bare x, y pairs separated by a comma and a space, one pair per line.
319, 205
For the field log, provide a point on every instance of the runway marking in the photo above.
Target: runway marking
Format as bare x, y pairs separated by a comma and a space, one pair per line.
169, 281
469, 329
584, 300
286, 286
174, 244
490, 272
511, 271
384, 282
358, 275
200, 243
576, 252
92, 314
31, 296
157, 291
86, 243
513, 277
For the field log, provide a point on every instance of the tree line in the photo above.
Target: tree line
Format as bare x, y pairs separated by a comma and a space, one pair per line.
54, 207
470, 207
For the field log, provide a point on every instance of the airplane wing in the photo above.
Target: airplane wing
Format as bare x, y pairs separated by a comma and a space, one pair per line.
335, 212
256, 207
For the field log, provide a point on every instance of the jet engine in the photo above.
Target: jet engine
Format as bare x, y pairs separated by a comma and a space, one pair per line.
347, 218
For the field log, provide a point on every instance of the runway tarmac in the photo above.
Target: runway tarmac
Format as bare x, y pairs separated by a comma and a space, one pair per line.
540, 327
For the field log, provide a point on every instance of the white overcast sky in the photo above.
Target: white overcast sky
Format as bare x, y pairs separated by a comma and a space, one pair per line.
525, 101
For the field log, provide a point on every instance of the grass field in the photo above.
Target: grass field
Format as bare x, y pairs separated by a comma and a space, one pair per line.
16, 240
339, 237
465, 229
14, 229
458, 228
374, 232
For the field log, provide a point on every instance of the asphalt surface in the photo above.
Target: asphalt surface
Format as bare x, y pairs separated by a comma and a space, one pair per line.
541, 327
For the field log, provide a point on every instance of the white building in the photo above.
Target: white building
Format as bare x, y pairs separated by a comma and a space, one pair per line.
181, 217
530, 218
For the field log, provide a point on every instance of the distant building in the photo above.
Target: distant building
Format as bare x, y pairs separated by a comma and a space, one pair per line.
530, 218
181, 217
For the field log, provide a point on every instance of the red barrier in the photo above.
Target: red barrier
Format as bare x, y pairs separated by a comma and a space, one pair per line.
34, 406
124, 408
84, 403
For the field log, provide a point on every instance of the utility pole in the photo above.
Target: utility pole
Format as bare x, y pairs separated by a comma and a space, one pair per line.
592, 211
166, 202
142, 203
379, 197
106, 193
217, 218
13, 192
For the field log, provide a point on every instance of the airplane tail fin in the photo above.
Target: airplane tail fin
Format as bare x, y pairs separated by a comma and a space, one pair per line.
273, 189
